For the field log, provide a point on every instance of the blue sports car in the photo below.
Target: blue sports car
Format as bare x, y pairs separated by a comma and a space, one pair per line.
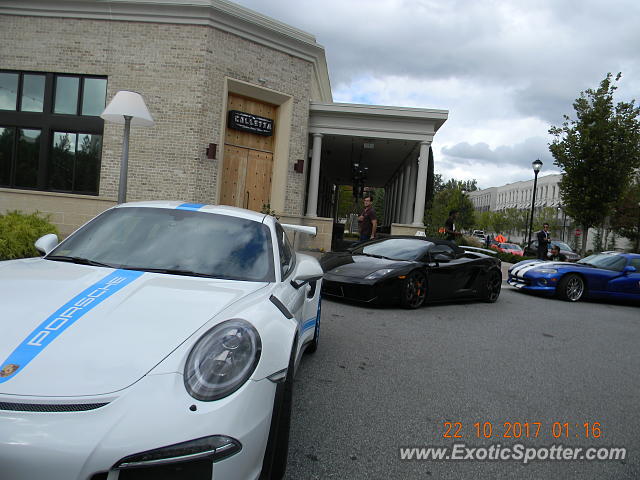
610, 275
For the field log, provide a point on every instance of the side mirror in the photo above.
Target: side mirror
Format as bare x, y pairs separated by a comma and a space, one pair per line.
46, 243
441, 257
307, 270
628, 269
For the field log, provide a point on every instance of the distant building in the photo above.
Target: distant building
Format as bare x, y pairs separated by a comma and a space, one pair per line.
518, 195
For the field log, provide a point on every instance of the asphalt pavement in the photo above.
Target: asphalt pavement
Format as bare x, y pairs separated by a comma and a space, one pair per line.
389, 378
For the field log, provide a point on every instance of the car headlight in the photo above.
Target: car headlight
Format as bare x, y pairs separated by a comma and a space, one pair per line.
379, 273
546, 270
222, 360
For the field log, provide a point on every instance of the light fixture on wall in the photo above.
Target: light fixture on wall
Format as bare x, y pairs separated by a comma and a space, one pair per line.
126, 108
211, 151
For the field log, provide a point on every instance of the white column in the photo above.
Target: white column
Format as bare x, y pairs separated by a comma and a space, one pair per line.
406, 194
394, 192
421, 184
389, 201
412, 190
399, 197
387, 192
314, 178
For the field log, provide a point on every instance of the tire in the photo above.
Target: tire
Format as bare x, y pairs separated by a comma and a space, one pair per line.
414, 290
313, 346
274, 464
493, 287
571, 288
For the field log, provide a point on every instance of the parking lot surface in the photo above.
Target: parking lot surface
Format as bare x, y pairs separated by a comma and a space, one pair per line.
389, 378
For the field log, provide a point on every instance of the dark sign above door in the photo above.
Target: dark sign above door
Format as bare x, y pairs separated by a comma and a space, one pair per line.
250, 123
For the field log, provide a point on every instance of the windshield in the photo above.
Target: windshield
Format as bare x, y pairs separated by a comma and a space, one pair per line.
510, 246
398, 248
561, 245
606, 260
178, 241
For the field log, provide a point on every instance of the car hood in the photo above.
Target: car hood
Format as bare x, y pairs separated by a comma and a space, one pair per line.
54, 341
359, 266
526, 266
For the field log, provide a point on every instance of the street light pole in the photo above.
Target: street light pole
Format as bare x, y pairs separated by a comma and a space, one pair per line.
537, 165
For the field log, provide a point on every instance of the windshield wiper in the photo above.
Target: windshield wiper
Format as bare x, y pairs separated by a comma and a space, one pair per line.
79, 261
186, 273
378, 256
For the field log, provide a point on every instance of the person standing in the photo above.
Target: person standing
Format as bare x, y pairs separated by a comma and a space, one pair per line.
367, 221
544, 240
450, 226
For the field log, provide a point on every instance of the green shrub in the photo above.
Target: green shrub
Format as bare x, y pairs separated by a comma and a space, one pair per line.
19, 231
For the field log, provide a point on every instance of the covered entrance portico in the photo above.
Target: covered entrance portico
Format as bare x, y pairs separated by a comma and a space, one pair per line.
388, 146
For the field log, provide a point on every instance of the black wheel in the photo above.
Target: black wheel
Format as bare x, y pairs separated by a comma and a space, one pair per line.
414, 290
274, 464
494, 285
313, 346
571, 288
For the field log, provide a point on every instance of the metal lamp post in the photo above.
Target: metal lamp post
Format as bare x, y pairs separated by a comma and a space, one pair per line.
537, 166
126, 108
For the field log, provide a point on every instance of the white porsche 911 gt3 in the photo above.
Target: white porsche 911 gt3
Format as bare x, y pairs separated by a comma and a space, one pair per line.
158, 341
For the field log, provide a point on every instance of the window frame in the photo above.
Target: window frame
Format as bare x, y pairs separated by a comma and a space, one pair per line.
48, 123
283, 247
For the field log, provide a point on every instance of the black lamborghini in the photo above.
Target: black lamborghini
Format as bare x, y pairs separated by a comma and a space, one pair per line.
410, 271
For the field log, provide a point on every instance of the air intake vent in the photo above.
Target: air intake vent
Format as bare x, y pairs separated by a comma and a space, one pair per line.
50, 407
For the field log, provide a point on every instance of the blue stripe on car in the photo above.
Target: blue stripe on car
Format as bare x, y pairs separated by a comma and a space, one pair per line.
62, 319
309, 324
191, 206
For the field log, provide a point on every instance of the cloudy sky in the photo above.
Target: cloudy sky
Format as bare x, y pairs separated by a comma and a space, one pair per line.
506, 70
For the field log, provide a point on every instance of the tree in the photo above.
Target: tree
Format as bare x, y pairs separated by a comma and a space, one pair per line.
378, 205
598, 152
466, 185
445, 201
626, 216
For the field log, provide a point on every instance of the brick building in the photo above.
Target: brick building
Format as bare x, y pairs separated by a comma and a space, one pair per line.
193, 62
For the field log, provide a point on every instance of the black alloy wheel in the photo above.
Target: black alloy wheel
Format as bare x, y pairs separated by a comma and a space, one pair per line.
414, 290
494, 286
571, 287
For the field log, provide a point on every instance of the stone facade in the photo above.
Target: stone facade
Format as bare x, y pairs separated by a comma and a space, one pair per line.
180, 70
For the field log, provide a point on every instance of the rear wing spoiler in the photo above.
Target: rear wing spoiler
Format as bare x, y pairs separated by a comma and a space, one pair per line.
477, 249
300, 228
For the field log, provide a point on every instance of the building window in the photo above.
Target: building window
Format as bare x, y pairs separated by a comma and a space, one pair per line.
50, 131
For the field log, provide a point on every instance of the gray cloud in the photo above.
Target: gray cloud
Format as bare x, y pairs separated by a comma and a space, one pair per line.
514, 61
518, 156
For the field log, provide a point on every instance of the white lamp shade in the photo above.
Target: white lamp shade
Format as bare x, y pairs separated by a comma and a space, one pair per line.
130, 104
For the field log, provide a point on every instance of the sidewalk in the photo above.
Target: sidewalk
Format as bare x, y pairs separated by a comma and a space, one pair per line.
505, 270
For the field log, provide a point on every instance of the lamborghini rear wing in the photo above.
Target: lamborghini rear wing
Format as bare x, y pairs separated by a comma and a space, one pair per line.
301, 228
477, 249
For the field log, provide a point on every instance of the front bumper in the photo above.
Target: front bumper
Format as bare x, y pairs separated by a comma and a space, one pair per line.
360, 290
155, 412
532, 284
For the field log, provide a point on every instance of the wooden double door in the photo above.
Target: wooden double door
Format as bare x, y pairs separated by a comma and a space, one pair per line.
248, 159
246, 177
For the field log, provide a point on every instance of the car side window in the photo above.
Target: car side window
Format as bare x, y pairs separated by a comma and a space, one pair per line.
635, 262
287, 255
445, 250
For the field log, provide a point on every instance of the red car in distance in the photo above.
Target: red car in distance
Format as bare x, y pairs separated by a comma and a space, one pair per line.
511, 248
